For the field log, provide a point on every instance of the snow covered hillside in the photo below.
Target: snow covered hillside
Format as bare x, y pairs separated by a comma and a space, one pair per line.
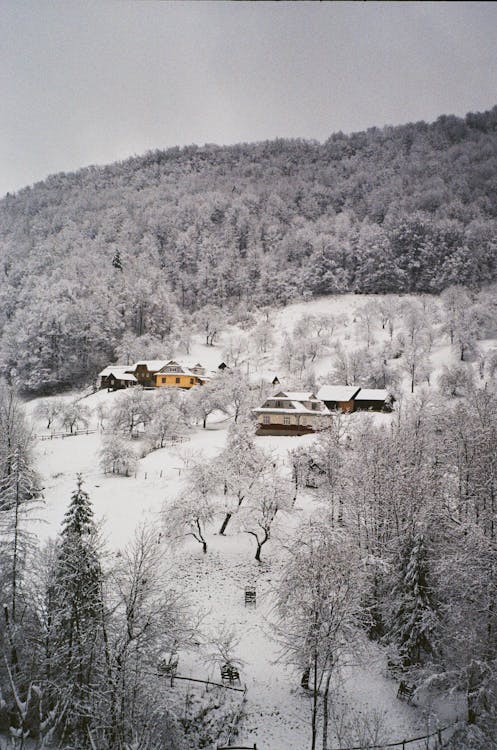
277, 709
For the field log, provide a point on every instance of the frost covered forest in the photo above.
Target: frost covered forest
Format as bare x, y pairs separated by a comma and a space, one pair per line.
134, 523
94, 260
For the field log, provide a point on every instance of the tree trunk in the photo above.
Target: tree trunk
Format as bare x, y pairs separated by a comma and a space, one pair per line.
325, 711
315, 697
225, 523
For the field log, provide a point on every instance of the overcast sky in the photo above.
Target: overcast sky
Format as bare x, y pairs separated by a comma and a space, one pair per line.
85, 82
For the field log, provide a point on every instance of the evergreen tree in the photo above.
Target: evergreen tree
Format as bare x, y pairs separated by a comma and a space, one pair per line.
76, 603
116, 260
413, 618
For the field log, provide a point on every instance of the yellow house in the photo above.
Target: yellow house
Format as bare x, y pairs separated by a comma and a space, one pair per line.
174, 375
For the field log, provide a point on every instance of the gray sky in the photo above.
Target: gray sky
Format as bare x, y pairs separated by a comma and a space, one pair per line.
84, 82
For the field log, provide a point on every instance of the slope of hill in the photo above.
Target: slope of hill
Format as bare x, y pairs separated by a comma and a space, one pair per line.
93, 258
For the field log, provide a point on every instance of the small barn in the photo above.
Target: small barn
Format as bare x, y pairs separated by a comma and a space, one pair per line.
373, 399
115, 378
339, 397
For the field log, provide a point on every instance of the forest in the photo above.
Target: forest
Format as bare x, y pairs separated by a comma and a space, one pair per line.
109, 261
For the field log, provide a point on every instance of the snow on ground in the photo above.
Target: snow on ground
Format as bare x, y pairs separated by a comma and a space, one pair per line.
277, 709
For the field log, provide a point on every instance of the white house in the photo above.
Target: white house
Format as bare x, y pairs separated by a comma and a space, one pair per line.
292, 413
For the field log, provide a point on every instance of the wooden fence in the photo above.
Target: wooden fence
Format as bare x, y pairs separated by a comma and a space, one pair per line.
59, 435
431, 741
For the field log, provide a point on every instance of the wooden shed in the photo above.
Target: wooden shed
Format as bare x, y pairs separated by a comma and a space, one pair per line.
339, 397
373, 399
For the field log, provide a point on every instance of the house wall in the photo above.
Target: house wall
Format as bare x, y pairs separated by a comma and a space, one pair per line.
296, 420
143, 375
109, 381
370, 406
175, 380
344, 406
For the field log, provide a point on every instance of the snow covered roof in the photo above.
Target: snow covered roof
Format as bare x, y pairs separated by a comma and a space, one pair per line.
153, 365
337, 392
119, 371
295, 395
175, 368
125, 376
371, 394
295, 408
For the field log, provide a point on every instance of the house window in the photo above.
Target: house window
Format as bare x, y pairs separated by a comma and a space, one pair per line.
178, 380
286, 420
192, 381
265, 419
164, 380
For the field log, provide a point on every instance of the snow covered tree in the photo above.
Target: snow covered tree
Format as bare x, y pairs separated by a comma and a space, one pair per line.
145, 617
74, 414
193, 510
239, 467
318, 609
116, 260
133, 410
19, 492
75, 601
167, 421
49, 409
455, 380
207, 399
413, 618
270, 494
117, 456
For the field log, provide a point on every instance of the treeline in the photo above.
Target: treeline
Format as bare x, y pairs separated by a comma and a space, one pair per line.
82, 631
403, 548
92, 257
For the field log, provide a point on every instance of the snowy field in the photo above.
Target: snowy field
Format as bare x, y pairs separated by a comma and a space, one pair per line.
277, 710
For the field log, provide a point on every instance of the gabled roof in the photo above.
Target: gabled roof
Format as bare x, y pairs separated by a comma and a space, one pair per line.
295, 396
371, 394
166, 370
118, 371
337, 392
293, 407
153, 365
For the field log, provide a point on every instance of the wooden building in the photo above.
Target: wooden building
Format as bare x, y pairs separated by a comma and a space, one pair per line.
145, 371
292, 413
116, 377
174, 375
373, 399
339, 397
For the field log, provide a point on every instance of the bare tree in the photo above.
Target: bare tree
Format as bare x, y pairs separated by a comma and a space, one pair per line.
272, 493
192, 510
317, 610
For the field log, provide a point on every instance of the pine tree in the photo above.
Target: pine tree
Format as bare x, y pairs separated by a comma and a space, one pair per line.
413, 619
116, 260
76, 602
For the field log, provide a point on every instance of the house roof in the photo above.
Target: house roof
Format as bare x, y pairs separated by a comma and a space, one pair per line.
153, 365
296, 408
337, 392
119, 371
371, 394
183, 371
295, 396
